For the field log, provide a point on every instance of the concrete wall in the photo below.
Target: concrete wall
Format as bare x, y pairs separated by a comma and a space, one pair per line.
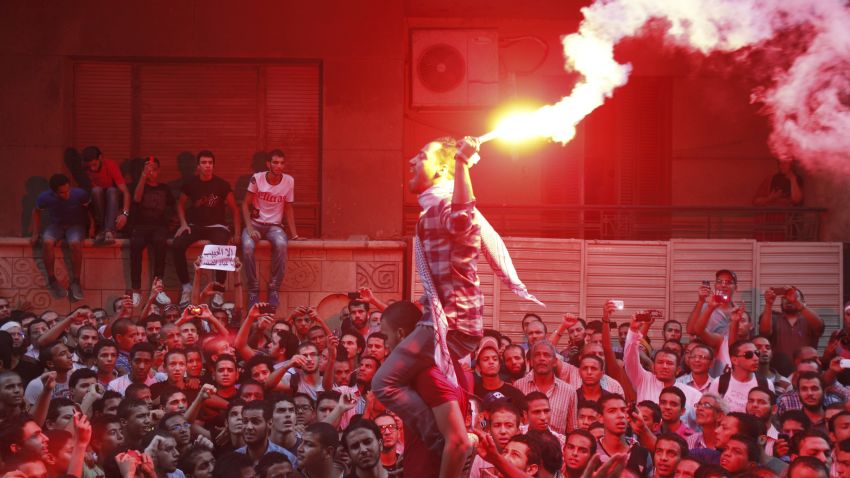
718, 139
314, 270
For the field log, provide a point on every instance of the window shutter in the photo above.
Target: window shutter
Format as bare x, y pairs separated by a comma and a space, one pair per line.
174, 110
103, 114
292, 119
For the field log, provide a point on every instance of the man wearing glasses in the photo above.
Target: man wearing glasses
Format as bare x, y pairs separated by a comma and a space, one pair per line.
735, 386
710, 410
391, 459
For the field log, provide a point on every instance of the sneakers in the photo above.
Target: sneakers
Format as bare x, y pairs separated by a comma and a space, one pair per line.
108, 238
163, 299
76, 291
98, 238
274, 297
253, 298
137, 299
186, 296
217, 300
56, 289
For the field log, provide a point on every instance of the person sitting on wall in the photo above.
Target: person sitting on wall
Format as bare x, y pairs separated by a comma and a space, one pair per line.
106, 182
69, 214
209, 196
269, 198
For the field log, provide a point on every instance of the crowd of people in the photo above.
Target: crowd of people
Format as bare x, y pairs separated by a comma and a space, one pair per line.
199, 388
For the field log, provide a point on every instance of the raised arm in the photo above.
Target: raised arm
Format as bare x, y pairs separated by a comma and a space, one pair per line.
346, 402
156, 288
39, 408
612, 367
55, 332
221, 329
278, 376
700, 325
140, 186
812, 318
241, 342
702, 296
766, 318
631, 355
463, 183
568, 321
328, 376
196, 282
81, 439
207, 390
367, 295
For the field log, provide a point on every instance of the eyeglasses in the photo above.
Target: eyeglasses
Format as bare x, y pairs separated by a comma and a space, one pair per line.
303, 408
750, 354
385, 428
180, 426
700, 357
705, 405
724, 282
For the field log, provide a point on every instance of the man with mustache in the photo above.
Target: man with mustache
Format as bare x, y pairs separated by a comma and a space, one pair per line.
793, 326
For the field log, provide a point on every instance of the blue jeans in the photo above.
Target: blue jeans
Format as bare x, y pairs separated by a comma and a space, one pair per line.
275, 235
73, 234
105, 203
393, 382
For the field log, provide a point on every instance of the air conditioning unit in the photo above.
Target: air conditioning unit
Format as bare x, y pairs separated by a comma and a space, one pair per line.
454, 68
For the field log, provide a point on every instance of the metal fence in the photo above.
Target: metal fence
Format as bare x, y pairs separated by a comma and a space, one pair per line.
650, 222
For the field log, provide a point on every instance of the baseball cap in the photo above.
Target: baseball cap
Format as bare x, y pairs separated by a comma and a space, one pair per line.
487, 342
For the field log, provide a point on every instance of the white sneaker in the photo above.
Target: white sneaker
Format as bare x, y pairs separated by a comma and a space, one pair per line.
137, 299
163, 299
186, 296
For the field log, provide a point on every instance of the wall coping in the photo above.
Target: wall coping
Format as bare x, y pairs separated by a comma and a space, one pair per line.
329, 244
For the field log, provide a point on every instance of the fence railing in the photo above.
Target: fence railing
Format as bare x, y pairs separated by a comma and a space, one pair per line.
650, 222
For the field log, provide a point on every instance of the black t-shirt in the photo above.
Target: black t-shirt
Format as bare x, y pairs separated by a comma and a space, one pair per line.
28, 369
206, 201
506, 391
154, 206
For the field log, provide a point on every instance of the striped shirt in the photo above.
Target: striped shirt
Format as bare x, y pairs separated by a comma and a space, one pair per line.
562, 402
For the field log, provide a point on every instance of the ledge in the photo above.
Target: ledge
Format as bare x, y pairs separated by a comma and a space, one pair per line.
307, 244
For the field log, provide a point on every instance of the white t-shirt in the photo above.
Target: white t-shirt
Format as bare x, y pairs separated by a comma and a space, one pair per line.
270, 199
736, 394
36, 387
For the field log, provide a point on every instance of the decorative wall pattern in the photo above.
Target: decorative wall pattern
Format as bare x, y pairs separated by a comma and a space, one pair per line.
314, 270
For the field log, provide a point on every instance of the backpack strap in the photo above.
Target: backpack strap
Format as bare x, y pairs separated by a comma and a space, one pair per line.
723, 384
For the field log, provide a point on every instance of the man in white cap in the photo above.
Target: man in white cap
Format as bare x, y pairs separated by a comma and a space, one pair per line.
489, 386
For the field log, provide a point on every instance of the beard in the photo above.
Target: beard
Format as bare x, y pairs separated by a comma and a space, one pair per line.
513, 375
86, 354
19, 350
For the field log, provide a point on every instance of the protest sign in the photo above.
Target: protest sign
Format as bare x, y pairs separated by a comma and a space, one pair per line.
221, 258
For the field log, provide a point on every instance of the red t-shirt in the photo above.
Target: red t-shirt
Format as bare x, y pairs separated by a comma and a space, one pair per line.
109, 175
432, 386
